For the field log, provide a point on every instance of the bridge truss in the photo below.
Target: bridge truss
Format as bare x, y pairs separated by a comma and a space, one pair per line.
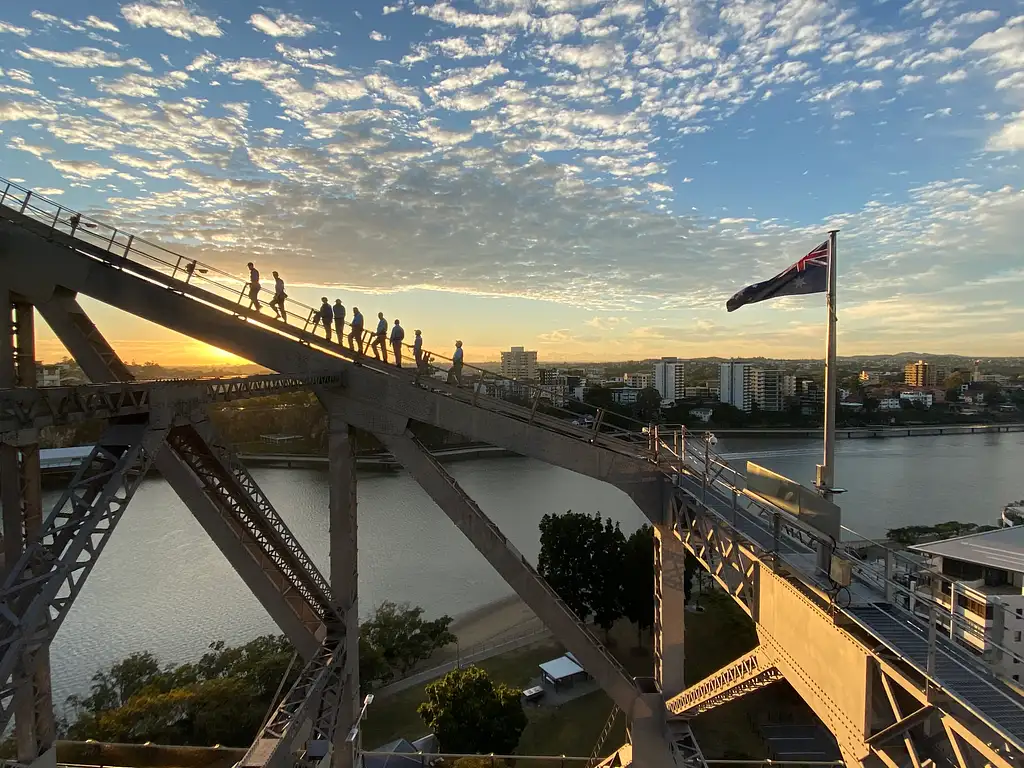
893, 690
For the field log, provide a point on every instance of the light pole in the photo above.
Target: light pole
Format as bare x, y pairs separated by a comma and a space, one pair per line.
355, 736
709, 440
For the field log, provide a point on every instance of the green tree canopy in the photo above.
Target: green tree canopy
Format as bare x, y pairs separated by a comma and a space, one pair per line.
648, 404
567, 546
470, 714
638, 579
403, 637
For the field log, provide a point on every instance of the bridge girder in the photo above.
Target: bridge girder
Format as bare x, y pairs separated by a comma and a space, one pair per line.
831, 669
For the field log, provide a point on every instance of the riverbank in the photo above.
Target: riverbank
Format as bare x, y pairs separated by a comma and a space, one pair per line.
861, 433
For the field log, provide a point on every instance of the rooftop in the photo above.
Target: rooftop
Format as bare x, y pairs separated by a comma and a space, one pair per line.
561, 668
1002, 548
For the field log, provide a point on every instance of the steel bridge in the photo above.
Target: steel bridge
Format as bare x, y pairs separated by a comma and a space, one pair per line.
874, 665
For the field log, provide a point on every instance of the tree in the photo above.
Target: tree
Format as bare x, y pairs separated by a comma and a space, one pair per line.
606, 583
471, 715
648, 404
599, 397
567, 545
373, 669
638, 578
690, 568
403, 637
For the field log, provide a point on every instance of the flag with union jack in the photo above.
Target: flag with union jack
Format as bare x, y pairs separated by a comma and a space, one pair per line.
809, 275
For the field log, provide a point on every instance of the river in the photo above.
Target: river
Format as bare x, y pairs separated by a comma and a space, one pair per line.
162, 586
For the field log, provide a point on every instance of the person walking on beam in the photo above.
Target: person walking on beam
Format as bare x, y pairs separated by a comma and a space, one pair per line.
397, 337
254, 287
380, 338
277, 303
355, 336
339, 321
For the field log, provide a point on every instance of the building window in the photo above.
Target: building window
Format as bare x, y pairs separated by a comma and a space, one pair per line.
1020, 613
1017, 678
1016, 636
1016, 660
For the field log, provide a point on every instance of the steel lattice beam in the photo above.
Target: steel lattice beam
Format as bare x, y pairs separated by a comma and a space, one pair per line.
22, 409
234, 511
39, 589
749, 672
275, 743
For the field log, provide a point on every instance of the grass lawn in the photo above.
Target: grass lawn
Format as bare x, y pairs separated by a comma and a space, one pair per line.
713, 639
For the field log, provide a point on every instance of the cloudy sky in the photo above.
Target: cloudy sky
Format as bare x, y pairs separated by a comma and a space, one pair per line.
589, 179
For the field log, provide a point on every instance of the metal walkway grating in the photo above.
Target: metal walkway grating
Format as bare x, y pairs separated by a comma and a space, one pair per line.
955, 669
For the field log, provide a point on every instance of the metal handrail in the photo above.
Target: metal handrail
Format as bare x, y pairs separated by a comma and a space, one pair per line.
124, 250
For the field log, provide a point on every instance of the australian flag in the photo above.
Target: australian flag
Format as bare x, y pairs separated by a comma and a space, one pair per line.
809, 275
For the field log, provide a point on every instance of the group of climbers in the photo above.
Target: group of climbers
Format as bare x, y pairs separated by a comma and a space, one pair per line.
332, 317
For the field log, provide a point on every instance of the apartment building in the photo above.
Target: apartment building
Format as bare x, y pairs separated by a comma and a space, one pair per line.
742, 385
670, 379
519, 363
638, 380
922, 374
984, 588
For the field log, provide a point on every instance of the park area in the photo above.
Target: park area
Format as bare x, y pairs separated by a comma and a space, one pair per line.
714, 637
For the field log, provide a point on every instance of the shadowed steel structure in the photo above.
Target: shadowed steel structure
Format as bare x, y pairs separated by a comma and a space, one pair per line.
872, 664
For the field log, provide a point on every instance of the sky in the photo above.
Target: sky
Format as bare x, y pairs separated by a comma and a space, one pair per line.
591, 180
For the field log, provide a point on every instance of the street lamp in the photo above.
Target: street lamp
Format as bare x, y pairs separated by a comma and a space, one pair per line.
355, 736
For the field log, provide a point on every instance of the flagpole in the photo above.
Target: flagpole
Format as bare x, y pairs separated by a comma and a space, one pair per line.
827, 470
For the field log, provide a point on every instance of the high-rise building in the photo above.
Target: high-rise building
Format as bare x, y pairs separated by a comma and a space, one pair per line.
519, 363
922, 374
670, 379
743, 386
736, 385
770, 389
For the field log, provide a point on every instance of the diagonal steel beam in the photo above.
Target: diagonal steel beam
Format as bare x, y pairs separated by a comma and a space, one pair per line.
221, 494
38, 590
513, 567
275, 744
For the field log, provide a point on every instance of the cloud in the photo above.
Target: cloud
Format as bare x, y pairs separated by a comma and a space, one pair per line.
83, 58
172, 16
82, 169
201, 62
140, 86
955, 76
19, 143
49, 191
285, 25
378, 37
98, 23
6, 26
19, 110
1010, 137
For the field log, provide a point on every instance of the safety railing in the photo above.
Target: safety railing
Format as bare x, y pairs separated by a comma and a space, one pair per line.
122, 250
689, 452
498, 761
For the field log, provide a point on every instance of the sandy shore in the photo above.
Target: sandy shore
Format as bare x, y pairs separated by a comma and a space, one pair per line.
495, 622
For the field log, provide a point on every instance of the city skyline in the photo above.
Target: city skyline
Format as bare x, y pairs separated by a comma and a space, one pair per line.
589, 180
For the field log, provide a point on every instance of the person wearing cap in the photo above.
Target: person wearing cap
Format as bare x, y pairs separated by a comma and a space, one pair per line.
380, 338
417, 350
397, 337
325, 315
455, 372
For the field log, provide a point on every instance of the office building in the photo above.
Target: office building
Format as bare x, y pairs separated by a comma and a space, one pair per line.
982, 584
519, 363
670, 379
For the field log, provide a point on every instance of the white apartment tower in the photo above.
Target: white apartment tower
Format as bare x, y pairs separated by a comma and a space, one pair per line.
736, 383
519, 363
670, 379
742, 385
